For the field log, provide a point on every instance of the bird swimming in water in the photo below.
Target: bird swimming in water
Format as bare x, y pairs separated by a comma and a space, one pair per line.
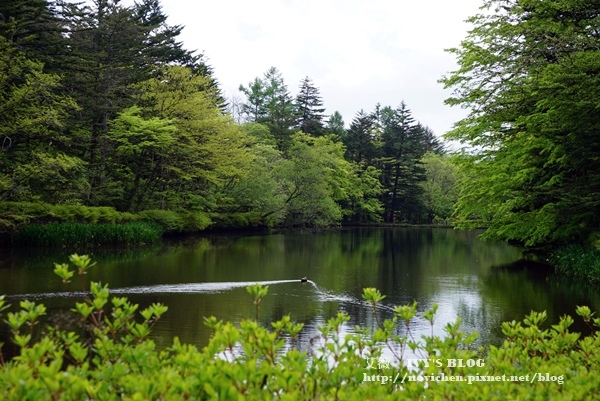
303, 279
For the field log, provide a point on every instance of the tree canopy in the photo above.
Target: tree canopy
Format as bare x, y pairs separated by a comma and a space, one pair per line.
101, 105
528, 73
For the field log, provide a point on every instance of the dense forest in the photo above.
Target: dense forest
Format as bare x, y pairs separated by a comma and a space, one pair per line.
102, 106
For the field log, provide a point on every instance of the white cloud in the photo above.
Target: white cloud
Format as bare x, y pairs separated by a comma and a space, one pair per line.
357, 52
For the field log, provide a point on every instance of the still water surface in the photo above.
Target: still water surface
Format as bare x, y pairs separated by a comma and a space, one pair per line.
484, 283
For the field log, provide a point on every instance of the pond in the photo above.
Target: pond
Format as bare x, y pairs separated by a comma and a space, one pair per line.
484, 283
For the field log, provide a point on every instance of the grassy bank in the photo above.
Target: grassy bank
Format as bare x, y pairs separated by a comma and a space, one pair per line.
577, 260
41, 224
87, 234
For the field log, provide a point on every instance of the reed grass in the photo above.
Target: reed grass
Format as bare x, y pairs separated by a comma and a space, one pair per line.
577, 260
87, 234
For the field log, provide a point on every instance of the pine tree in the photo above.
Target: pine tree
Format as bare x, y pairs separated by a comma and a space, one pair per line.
361, 140
270, 103
35, 29
402, 148
309, 108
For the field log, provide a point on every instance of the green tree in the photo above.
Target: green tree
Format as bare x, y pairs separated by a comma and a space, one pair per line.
269, 102
431, 143
362, 140
260, 192
141, 150
110, 48
528, 73
34, 162
362, 204
314, 178
440, 188
34, 27
335, 125
402, 148
309, 108
210, 150
255, 109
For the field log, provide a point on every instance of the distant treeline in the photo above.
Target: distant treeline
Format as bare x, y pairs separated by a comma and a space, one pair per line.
102, 106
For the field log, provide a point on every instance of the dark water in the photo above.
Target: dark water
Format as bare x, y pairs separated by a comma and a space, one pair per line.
483, 283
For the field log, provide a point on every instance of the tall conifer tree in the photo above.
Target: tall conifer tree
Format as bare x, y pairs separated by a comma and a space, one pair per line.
309, 107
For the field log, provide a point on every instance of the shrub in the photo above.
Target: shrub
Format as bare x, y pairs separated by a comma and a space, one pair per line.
239, 220
198, 221
116, 359
22, 213
14, 216
170, 221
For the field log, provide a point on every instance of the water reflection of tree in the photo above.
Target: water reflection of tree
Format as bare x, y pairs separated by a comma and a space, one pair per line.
514, 290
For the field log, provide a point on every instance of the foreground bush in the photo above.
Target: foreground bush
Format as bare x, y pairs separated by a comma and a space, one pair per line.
115, 359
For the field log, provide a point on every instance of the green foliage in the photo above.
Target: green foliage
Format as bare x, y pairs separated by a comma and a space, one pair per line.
313, 178
115, 358
309, 108
32, 160
141, 145
269, 102
335, 125
169, 221
173, 222
526, 72
577, 260
240, 220
440, 188
362, 204
208, 152
258, 292
16, 214
86, 235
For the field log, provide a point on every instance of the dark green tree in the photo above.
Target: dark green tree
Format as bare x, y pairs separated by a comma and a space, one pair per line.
361, 139
431, 143
35, 29
402, 149
309, 108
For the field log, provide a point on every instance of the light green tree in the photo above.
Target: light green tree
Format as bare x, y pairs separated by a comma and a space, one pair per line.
440, 188
142, 148
209, 152
314, 177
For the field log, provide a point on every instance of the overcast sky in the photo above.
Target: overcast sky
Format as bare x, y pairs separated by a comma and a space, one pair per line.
357, 52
